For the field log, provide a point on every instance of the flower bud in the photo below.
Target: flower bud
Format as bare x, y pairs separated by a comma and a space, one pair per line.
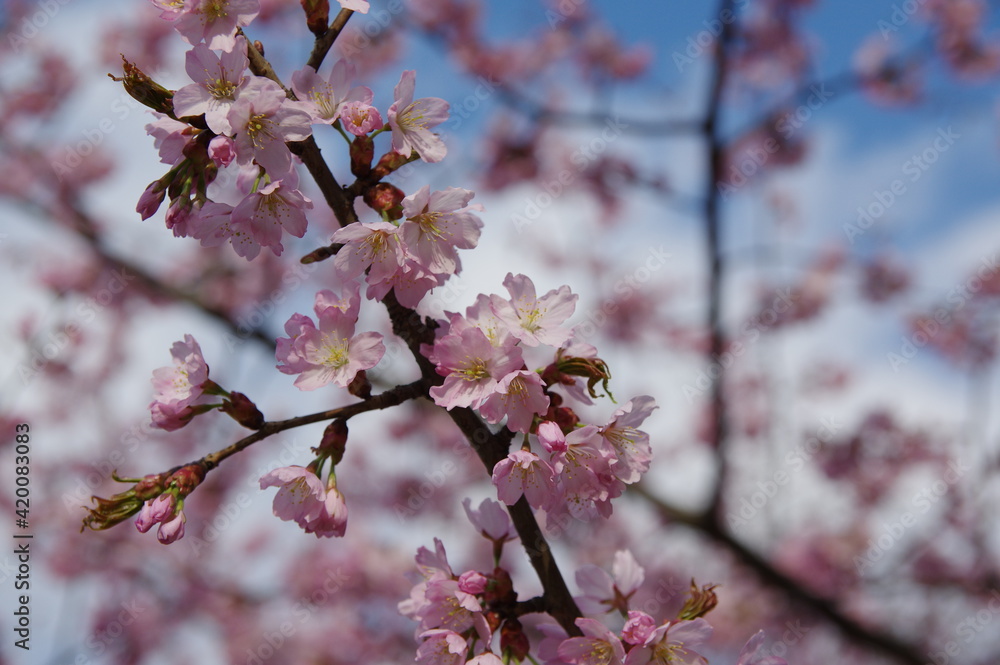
512, 638
362, 154
242, 410
386, 199
334, 441
360, 386
391, 161
186, 478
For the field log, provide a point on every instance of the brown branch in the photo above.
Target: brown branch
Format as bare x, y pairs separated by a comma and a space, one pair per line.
325, 41
716, 166
709, 525
389, 398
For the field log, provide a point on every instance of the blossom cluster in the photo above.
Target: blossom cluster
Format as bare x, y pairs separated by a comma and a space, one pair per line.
458, 615
228, 116
481, 355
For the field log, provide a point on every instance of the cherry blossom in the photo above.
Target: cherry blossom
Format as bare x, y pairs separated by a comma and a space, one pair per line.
524, 473
263, 214
519, 397
437, 224
215, 21
531, 319
329, 352
323, 99
179, 387
603, 592
411, 121
360, 118
218, 80
472, 368
629, 443
368, 245
599, 646
264, 120
491, 520
753, 653
671, 642
303, 498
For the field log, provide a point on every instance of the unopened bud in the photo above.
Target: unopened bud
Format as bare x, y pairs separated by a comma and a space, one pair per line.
317, 15
242, 410
385, 199
334, 441
362, 154
360, 386
186, 478
513, 639
391, 161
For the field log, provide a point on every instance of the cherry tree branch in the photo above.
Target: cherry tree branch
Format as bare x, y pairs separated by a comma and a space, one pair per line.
325, 41
384, 400
716, 166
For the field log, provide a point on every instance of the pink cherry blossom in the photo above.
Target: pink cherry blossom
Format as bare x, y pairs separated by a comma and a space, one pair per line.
150, 200
491, 520
448, 606
671, 642
300, 494
222, 150
375, 245
754, 653
170, 137
172, 531
472, 368
638, 627
437, 225
603, 592
441, 647
302, 498
523, 473
155, 511
531, 319
599, 646
630, 444
322, 98
329, 352
410, 283
331, 521
411, 121
217, 83
264, 120
259, 219
215, 21
360, 118
519, 397
178, 387
583, 465
486, 658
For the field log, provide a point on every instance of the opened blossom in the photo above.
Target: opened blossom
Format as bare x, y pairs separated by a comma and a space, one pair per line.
599, 646
630, 444
264, 120
217, 82
490, 519
472, 368
411, 121
523, 473
531, 319
368, 245
303, 498
604, 592
671, 643
329, 352
177, 388
437, 225
261, 217
214, 21
583, 467
519, 397
323, 98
